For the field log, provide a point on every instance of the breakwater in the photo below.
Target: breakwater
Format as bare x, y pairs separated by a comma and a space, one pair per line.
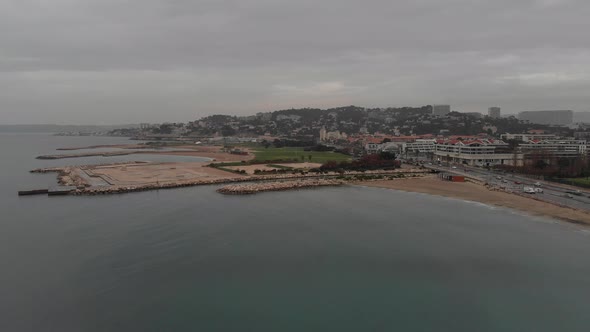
120, 189
246, 189
86, 181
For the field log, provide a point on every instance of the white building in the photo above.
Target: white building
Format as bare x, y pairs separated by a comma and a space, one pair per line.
420, 146
527, 137
326, 136
481, 152
556, 148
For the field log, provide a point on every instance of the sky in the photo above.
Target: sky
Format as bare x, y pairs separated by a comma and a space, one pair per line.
132, 61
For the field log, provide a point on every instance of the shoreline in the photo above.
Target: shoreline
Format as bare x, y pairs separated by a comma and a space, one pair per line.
214, 153
478, 193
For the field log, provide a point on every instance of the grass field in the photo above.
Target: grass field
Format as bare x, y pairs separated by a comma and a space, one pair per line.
297, 153
583, 182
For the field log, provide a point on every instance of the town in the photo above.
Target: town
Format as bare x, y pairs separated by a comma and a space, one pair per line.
542, 143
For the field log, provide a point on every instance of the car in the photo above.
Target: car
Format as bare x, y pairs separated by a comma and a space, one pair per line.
568, 196
499, 177
539, 190
528, 190
517, 182
504, 181
537, 184
454, 167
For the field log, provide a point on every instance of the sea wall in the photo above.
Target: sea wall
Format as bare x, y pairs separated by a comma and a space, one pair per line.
245, 189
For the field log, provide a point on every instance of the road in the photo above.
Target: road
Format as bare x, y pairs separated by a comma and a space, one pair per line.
552, 192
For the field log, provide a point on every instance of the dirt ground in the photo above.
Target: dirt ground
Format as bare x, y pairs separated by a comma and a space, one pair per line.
137, 174
478, 193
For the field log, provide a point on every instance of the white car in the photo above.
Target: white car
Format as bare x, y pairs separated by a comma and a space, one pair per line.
539, 190
454, 167
537, 184
528, 190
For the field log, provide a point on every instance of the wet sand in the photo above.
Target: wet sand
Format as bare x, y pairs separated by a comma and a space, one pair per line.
477, 193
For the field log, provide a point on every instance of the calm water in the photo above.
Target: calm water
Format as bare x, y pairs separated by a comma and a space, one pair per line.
336, 259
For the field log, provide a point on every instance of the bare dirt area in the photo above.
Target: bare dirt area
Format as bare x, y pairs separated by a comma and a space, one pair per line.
478, 193
141, 174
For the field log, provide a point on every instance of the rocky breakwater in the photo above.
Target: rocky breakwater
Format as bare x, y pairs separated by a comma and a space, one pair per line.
246, 189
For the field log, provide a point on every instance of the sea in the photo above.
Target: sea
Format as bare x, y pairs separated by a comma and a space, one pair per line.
332, 259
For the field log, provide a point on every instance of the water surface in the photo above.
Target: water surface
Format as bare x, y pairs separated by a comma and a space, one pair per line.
329, 259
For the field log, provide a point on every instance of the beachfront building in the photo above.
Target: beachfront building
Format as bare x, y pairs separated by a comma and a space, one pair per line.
527, 137
419, 146
478, 152
555, 148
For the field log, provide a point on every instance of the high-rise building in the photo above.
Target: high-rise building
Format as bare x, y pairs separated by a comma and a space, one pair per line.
548, 117
441, 110
494, 112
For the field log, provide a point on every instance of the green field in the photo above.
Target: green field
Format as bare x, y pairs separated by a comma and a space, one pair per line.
296, 153
582, 182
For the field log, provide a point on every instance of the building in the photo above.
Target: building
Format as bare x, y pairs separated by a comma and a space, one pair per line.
480, 152
420, 146
555, 148
582, 135
494, 112
527, 137
326, 136
441, 110
560, 118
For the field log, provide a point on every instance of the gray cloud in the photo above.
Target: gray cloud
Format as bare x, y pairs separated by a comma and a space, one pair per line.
108, 61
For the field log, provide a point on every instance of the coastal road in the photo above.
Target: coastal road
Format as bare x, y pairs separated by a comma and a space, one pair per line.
552, 193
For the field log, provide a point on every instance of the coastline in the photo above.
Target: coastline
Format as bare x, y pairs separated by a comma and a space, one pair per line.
211, 152
205, 175
478, 193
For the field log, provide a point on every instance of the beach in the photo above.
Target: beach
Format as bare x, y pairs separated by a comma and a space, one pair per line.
477, 193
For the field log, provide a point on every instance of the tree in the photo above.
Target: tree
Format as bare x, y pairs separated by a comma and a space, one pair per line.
227, 131
540, 164
309, 157
562, 163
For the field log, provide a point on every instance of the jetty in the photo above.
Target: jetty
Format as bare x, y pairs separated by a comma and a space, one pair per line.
129, 177
33, 192
53, 191
246, 189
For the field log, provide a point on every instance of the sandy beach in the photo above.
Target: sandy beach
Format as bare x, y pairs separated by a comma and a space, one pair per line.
477, 193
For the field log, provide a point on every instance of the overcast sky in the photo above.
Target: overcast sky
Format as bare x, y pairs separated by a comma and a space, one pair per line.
131, 61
